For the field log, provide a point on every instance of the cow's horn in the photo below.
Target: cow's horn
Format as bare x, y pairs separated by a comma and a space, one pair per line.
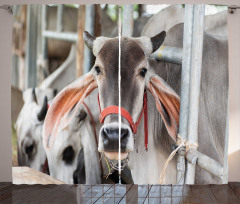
157, 40
43, 112
34, 97
88, 39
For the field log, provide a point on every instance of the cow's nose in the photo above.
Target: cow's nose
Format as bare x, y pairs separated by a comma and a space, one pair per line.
28, 147
110, 136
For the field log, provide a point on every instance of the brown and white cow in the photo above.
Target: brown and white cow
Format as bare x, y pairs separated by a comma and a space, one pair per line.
137, 75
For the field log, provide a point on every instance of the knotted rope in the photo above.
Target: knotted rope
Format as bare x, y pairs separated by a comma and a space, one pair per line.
180, 143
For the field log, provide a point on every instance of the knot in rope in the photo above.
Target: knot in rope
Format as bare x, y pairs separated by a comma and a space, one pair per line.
180, 143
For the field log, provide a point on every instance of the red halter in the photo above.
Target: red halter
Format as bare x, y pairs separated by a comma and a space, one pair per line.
125, 114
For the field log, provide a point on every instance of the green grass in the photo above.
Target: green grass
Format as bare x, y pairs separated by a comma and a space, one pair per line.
14, 146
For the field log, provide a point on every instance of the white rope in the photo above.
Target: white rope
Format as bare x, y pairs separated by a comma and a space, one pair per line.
181, 143
119, 93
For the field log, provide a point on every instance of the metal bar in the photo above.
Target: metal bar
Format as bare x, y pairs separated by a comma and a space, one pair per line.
168, 54
205, 162
89, 26
60, 8
39, 46
225, 163
44, 39
67, 36
15, 73
128, 21
185, 77
195, 82
31, 50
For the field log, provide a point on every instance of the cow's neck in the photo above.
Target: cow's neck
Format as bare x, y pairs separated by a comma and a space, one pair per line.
146, 166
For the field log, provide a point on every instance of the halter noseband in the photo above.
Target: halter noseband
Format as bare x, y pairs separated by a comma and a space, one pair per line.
115, 110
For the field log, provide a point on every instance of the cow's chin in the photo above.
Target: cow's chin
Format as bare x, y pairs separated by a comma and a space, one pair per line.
114, 155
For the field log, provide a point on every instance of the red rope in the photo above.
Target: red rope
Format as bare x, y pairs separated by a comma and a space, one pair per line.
115, 110
45, 166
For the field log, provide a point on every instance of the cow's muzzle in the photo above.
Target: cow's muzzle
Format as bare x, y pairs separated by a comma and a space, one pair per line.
109, 140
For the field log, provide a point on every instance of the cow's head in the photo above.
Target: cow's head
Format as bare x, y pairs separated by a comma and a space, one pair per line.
63, 156
136, 76
73, 157
29, 131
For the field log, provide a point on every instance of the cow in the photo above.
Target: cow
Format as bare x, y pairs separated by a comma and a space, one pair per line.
162, 84
215, 24
74, 157
29, 126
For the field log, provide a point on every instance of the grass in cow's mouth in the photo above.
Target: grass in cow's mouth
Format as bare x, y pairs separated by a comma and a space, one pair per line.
113, 164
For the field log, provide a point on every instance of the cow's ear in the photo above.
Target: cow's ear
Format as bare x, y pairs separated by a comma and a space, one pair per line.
167, 103
157, 40
65, 105
88, 39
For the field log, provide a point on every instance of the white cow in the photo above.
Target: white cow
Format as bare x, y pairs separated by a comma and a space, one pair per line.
215, 24
29, 128
76, 144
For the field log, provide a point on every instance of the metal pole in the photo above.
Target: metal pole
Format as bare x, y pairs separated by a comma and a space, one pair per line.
195, 82
67, 36
205, 162
44, 39
168, 54
89, 26
184, 104
128, 21
40, 76
31, 50
60, 8
225, 163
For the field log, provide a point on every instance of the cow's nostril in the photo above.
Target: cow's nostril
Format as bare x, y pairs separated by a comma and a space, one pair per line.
29, 149
105, 133
124, 133
110, 138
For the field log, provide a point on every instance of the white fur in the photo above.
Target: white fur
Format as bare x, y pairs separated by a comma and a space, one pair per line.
146, 45
78, 135
29, 128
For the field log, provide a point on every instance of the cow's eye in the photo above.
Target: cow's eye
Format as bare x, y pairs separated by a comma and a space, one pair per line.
68, 155
97, 69
143, 72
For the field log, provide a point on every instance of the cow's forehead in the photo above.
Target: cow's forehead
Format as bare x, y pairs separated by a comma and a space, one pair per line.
131, 51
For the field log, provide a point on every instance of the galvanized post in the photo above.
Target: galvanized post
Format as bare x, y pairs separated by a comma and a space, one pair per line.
225, 162
15, 74
60, 8
128, 21
195, 82
185, 77
169, 54
31, 51
40, 76
89, 26
44, 40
